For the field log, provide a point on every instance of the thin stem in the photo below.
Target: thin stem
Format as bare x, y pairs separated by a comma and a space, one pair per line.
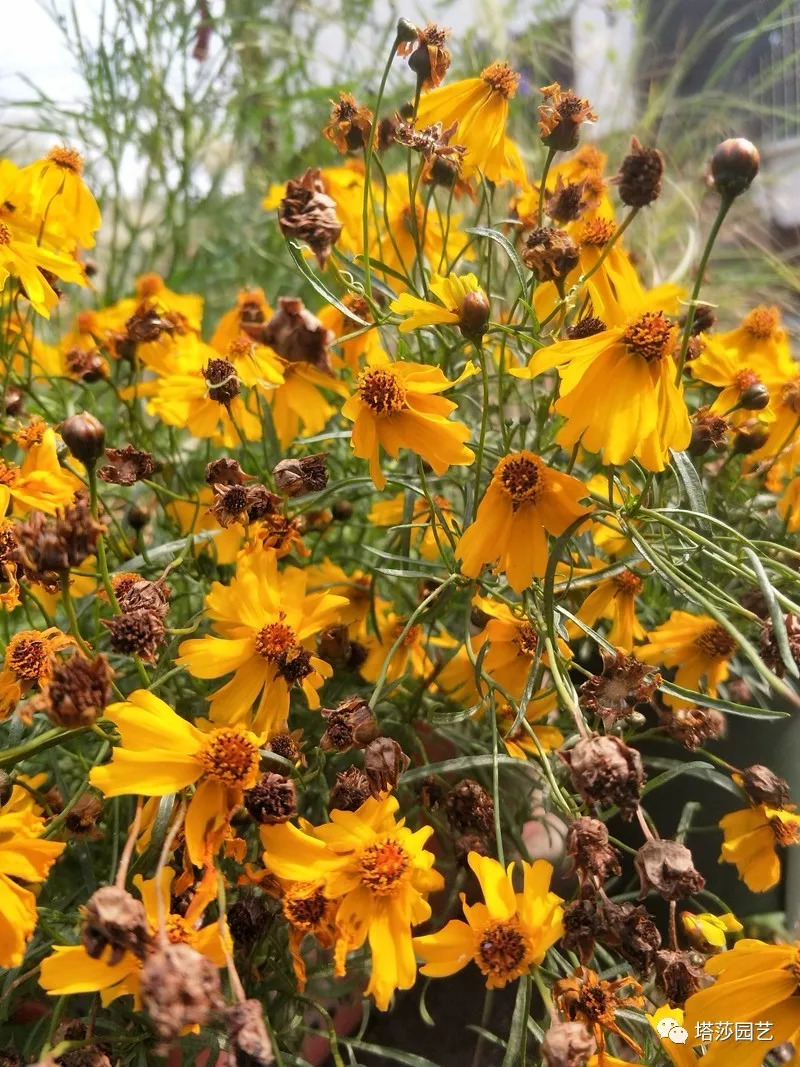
484, 424
368, 153
127, 852
543, 187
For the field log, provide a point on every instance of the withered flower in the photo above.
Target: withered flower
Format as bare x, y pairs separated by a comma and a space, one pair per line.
667, 867
582, 921
430, 59
466, 843
115, 919
749, 438
432, 142
703, 321
248, 919
550, 254
136, 633
85, 1055
561, 116
763, 786
350, 790
225, 471
247, 1034
351, 724
272, 800
179, 988
47, 547
624, 684
640, 176
295, 334
146, 325
630, 929
586, 998
384, 762
708, 431
288, 746
141, 594
568, 202
222, 381
308, 214
296, 477
86, 364
606, 771
243, 504
567, 1044
78, 691
590, 850
469, 808
349, 125
768, 646
127, 465
679, 974
692, 727
82, 819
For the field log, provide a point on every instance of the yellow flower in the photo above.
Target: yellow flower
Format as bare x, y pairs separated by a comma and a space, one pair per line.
382, 873
412, 657
60, 193
525, 500
706, 931
251, 308
755, 983
396, 406
196, 517
505, 936
613, 598
782, 442
751, 838
759, 341
618, 391
354, 587
24, 857
28, 662
187, 307
40, 484
70, 969
23, 258
299, 403
696, 645
268, 622
463, 304
480, 107
162, 753
519, 743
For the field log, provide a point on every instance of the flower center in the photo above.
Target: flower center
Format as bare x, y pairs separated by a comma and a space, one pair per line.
744, 379
522, 477
304, 905
761, 323
26, 655
597, 232
178, 930
66, 158
501, 79
527, 639
790, 396
31, 435
5, 234
502, 950
784, 833
241, 346
359, 306
380, 389
382, 866
149, 285
715, 642
9, 473
275, 640
411, 637
222, 380
596, 1004
649, 336
628, 583
230, 757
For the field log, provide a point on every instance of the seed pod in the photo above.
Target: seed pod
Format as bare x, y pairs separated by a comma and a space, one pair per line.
734, 165
179, 988
606, 771
470, 808
272, 800
640, 176
114, 918
590, 850
84, 436
384, 762
79, 690
755, 397
763, 786
248, 1035
679, 975
350, 790
351, 723
667, 867
296, 477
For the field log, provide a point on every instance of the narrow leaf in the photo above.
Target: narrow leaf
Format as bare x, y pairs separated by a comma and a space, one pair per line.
778, 623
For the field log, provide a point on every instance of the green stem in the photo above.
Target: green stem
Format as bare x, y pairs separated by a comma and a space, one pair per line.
72, 618
484, 424
543, 187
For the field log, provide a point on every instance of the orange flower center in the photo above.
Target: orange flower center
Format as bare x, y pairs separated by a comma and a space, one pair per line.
241, 346
649, 336
275, 639
5, 234
411, 637
9, 473
31, 435
230, 757
380, 389
382, 866
522, 477
149, 285
86, 321
715, 642
527, 639
501, 79
744, 379
26, 655
785, 833
761, 323
359, 306
502, 950
304, 905
178, 930
790, 396
628, 583
597, 232
66, 158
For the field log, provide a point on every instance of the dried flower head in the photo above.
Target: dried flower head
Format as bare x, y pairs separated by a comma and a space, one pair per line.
243, 504
561, 116
592, 854
429, 60
179, 988
115, 919
763, 786
585, 327
222, 381
640, 176
384, 762
607, 772
296, 477
295, 334
248, 919
568, 201
349, 125
272, 800
567, 1044
679, 974
47, 547
351, 724
693, 726
469, 808
136, 633
350, 790
127, 465
308, 214
630, 930
141, 594
432, 142
225, 471
550, 254
667, 867
79, 690
595, 1001
82, 818
86, 364
247, 1034
769, 648
708, 431
624, 684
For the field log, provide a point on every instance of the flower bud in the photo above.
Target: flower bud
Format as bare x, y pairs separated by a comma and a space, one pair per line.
407, 32
474, 315
84, 436
755, 397
137, 516
733, 166
749, 439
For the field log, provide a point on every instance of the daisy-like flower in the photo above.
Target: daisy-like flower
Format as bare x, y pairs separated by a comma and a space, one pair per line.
413, 657
28, 663
513, 646
194, 517
506, 935
519, 743
760, 339
696, 645
268, 623
708, 932
396, 406
480, 107
380, 871
308, 910
23, 258
783, 442
40, 484
70, 969
612, 598
462, 303
61, 193
252, 309
618, 390
161, 753
24, 858
299, 407
525, 501
752, 836
756, 983
595, 1001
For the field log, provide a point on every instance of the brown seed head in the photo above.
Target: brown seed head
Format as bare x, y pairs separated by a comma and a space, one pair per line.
469, 808
351, 724
82, 817
708, 431
308, 214
667, 867
640, 176
384, 762
225, 471
296, 334
222, 381
115, 919
679, 974
350, 790
296, 477
127, 465
763, 786
585, 327
272, 800
567, 1044
630, 930
179, 988
561, 117
430, 60
550, 254
136, 633
607, 772
692, 727
79, 690
567, 202
589, 848
349, 125
769, 648
248, 919
625, 682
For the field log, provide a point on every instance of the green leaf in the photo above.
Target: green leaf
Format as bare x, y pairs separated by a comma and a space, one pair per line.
393, 1055
508, 248
695, 769
692, 486
466, 763
778, 623
296, 253
519, 1025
